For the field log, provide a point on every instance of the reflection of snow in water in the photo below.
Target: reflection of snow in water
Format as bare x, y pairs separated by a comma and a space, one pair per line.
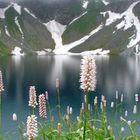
18, 67
61, 63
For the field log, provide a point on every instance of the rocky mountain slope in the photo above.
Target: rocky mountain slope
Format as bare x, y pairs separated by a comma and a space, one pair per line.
67, 27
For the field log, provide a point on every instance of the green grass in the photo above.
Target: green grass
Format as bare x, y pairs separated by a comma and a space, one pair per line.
4, 50
83, 25
10, 15
98, 125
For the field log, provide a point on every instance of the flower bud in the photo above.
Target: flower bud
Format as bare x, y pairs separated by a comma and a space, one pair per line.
126, 113
59, 128
136, 97
135, 109
57, 82
14, 117
47, 95
117, 94
112, 105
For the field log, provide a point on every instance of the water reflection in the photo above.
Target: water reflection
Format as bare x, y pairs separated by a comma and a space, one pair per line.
113, 73
59, 67
122, 74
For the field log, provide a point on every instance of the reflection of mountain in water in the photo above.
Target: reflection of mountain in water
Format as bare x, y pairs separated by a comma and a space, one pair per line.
119, 74
113, 73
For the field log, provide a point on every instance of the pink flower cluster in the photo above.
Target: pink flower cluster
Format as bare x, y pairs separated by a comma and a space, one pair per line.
88, 74
42, 106
1, 83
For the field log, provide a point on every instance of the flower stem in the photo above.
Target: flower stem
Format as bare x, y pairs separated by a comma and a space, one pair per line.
59, 103
43, 134
33, 110
49, 108
85, 117
0, 113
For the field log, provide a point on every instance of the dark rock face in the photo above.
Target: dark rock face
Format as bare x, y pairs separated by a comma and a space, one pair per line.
61, 11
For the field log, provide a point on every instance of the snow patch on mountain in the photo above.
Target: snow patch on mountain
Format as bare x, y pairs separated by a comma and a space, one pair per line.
40, 53
43, 52
120, 25
131, 20
96, 52
19, 27
2, 12
6, 31
56, 29
64, 49
16, 7
77, 18
17, 51
92, 52
112, 17
128, 20
85, 4
30, 13
105, 2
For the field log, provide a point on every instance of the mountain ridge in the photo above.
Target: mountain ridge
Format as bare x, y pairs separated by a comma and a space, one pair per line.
103, 27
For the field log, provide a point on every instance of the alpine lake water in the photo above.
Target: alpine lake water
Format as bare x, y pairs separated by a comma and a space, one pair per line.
113, 73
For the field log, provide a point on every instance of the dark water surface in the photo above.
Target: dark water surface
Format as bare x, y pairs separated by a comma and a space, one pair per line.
113, 73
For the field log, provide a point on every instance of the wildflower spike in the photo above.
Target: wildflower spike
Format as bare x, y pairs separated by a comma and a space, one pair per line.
88, 74
42, 106
32, 97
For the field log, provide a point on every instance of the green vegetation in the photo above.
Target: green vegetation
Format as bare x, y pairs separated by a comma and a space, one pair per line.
98, 125
4, 50
84, 25
10, 15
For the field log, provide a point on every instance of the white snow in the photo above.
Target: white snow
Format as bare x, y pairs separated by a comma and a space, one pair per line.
105, 2
17, 51
114, 32
96, 52
2, 12
112, 17
65, 48
131, 19
6, 31
17, 7
56, 29
120, 25
137, 49
48, 50
85, 4
41, 52
30, 13
104, 52
128, 20
77, 18
14, 5
19, 27
103, 13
